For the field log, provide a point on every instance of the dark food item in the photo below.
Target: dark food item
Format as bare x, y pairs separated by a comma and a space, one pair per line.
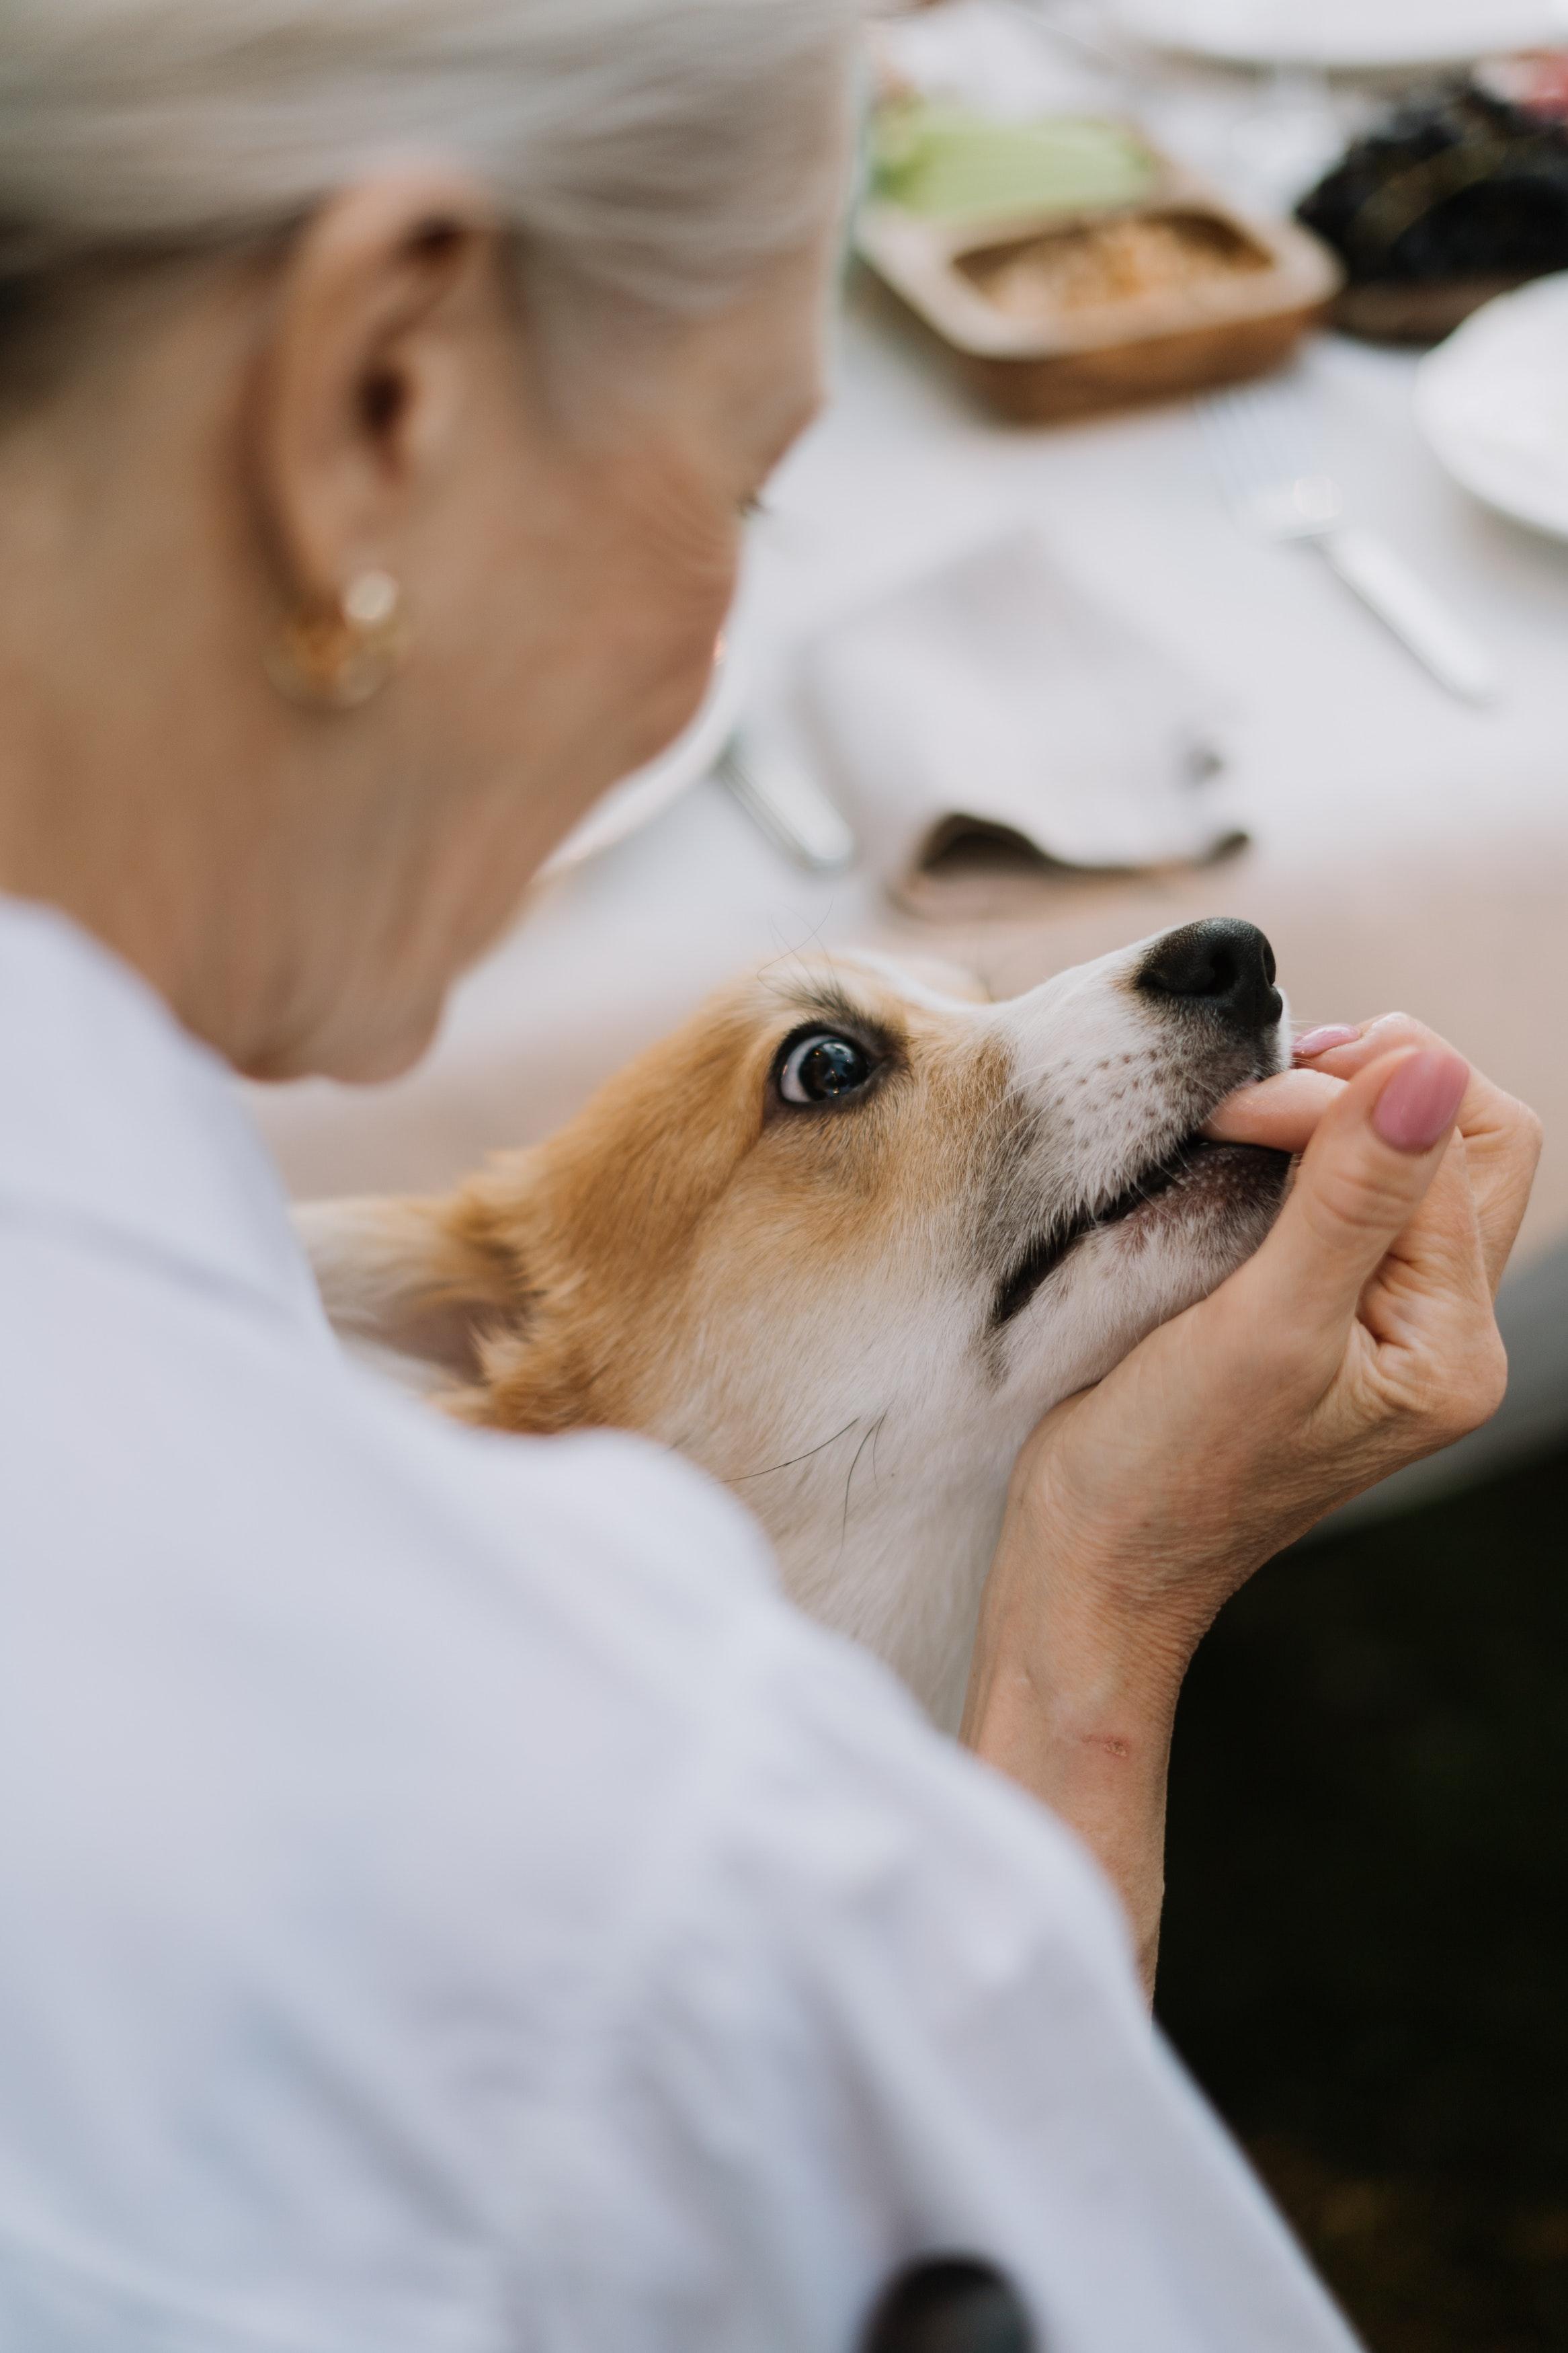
1449, 201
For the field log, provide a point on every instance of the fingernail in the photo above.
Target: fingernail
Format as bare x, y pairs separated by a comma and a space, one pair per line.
1318, 1041
1420, 1100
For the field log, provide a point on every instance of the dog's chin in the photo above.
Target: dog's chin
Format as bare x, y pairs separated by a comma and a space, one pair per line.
1212, 1206
1157, 1250
1208, 1200
1221, 1197
1127, 1276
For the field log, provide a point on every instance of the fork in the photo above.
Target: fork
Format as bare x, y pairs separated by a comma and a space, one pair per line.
1262, 443
786, 804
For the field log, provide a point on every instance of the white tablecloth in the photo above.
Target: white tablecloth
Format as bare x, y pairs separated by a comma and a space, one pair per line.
1407, 851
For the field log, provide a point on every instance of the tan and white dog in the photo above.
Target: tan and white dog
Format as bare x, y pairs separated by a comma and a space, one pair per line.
842, 1238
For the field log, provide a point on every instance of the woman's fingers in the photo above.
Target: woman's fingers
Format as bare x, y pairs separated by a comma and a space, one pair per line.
1434, 1267
1502, 1135
1281, 1112
1373, 1155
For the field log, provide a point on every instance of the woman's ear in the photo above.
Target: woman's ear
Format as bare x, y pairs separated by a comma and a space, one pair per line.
360, 393
405, 1274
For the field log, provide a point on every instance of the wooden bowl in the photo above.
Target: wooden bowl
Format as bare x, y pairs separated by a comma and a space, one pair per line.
1057, 315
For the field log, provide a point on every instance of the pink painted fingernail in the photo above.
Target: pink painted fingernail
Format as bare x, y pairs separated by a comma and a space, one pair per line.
1318, 1041
1420, 1100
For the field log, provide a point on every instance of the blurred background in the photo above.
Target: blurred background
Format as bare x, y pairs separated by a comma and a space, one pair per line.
1187, 533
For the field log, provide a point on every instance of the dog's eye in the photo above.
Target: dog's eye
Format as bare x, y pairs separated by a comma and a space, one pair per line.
821, 1066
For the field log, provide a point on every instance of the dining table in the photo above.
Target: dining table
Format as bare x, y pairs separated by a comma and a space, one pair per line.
1403, 848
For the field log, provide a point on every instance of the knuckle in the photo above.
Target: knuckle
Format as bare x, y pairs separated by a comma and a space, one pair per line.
1465, 1389
1530, 1131
1489, 1380
1509, 1125
1391, 1029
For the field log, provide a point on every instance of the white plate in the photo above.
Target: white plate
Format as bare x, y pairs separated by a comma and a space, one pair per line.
1493, 402
641, 796
1345, 33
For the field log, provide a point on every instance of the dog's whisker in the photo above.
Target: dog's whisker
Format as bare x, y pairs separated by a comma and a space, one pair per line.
741, 1477
849, 1483
797, 954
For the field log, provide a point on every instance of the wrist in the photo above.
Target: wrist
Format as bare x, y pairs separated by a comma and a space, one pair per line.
1098, 1624
1066, 1668
1077, 1709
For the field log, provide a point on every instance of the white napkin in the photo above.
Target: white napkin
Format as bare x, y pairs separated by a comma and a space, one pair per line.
990, 726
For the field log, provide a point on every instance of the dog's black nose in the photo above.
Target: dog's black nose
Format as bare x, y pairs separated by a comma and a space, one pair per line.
1223, 966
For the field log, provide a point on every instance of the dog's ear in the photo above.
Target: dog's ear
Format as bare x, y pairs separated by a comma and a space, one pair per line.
410, 1274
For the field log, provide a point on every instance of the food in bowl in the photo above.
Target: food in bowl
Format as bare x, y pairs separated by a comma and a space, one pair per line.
1119, 260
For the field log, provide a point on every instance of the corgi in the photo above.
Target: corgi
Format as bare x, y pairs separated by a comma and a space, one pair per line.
842, 1240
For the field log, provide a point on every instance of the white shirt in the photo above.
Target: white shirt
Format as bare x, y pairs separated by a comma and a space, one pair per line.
448, 1900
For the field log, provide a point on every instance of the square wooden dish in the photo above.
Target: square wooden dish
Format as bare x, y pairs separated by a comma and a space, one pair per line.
1052, 315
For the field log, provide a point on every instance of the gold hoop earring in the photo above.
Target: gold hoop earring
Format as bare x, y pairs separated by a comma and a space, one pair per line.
336, 659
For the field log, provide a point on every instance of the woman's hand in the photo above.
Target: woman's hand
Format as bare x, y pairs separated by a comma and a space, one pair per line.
1359, 1337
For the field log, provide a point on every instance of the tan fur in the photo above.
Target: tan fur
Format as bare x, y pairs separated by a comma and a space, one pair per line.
639, 1225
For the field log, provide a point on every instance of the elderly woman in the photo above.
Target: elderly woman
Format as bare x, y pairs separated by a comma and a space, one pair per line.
449, 1899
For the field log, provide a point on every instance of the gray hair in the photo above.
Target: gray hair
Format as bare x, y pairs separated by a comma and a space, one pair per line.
666, 148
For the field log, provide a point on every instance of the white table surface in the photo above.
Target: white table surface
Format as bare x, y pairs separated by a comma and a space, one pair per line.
1407, 849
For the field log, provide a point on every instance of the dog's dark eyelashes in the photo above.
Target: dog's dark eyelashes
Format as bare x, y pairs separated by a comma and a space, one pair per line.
822, 1066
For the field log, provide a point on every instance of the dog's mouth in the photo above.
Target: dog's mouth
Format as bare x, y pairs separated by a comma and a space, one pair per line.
1193, 1157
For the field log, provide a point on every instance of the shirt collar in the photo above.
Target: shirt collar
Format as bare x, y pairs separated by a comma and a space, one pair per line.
116, 1122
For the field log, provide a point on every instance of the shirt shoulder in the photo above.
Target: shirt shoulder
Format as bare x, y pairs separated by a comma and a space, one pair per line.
458, 1841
